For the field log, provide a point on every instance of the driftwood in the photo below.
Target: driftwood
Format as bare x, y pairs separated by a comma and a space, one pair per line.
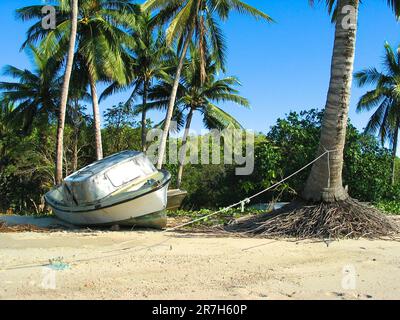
4, 228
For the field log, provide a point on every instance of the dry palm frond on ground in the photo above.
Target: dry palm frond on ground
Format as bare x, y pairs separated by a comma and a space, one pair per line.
4, 228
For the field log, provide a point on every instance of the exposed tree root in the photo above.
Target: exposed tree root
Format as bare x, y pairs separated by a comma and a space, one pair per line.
343, 219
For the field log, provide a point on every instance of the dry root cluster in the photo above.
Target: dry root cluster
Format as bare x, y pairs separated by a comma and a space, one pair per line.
343, 219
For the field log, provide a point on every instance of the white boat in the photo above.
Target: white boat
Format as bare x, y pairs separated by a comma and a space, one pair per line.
122, 189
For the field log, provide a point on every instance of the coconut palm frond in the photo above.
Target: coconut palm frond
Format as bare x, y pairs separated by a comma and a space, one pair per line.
385, 97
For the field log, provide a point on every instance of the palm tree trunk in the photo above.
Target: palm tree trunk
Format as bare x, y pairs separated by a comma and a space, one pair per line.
325, 181
64, 93
96, 117
171, 104
145, 88
75, 151
182, 154
66, 168
172, 99
395, 143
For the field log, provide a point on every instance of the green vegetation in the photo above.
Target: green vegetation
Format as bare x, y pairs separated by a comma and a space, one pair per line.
397, 173
33, 93
386, 119
391, 207
101, 43
183, 216
27, 166
282, 151
199, 95
150, 60
197, 21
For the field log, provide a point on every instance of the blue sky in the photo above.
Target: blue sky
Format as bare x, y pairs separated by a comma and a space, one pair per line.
283, 66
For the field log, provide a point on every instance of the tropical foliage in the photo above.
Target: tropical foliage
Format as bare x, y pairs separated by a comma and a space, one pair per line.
149, 60
34, 93
27, 167
282, 151
196, 95
101, 42
385, 121
194, 19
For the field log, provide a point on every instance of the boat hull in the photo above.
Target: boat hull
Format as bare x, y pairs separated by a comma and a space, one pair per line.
175, 199
129, 213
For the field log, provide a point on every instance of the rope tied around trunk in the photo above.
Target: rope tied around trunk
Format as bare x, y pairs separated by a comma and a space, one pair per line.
329, 165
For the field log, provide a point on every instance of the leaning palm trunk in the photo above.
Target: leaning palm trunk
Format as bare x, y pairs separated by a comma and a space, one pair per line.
182, 154
172, 99
171, 104
143, 124
64, 93
75, 150
395, 143
96, 117
325, 181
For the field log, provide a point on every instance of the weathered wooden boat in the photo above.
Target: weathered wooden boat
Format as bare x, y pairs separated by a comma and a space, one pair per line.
123, 189
175, 199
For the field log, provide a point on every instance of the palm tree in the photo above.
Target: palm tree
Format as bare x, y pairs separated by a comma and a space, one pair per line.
325, 180
189, 18
148, 63
195, 95
102, 37
64, 92
36, 93
385, 98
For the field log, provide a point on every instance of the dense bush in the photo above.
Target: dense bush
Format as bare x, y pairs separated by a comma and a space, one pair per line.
392, 207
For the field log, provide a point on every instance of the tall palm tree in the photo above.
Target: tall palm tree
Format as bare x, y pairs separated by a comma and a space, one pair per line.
385, 98
102, 37
148, 63
194, 95
188, 19
36, 93
64, 92
325, 180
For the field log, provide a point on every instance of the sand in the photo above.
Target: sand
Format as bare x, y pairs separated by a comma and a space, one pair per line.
156, 265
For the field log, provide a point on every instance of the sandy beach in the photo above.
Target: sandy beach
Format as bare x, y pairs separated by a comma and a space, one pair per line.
156, 265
